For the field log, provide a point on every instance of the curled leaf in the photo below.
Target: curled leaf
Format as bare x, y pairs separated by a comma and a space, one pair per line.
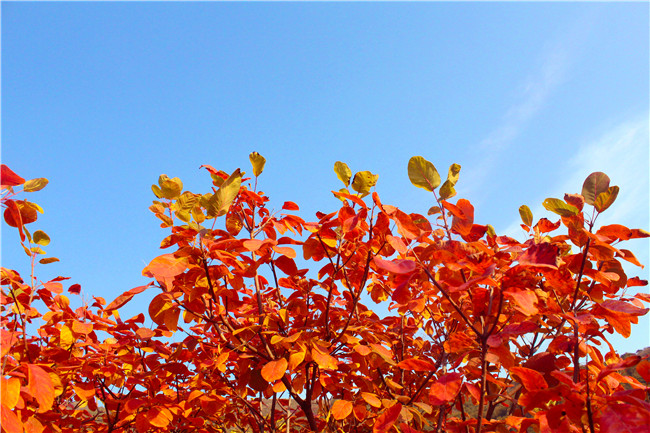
343, 172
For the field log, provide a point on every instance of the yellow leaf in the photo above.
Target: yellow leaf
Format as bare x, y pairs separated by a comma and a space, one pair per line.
257, 161
35, 184
41, 238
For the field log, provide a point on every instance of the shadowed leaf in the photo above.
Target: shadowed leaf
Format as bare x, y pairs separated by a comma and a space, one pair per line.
595, 184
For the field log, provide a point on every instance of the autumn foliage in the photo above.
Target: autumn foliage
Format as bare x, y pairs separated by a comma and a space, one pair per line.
368, 318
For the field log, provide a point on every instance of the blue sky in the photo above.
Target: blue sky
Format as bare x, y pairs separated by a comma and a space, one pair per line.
101, 98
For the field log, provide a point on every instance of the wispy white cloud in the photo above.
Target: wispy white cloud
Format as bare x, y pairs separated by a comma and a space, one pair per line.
533, 93
622, 153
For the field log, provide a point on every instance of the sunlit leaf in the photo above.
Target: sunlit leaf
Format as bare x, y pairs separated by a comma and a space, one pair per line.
159, 416
526, 215
416, 364
445, 389
559, 207
225, 195
395, 266
10, 391
371, 399
531, 379
257, 161
274, 370
606, 199
9, 420
47, 260
343, 172
41, 238
363, 181
544, 255
595, 184
35, 184
341, 409
170, 188
323, 359
387, 418
9, 178
40, 386
423, 174
447, 190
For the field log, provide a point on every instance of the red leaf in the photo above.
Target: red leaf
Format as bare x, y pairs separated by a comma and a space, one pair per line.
75, 289
416, 364
395, 266
540, 255
9, 178
545, 226
532, 380
123, 298
644, 370
445, 389
385, 421
286, 265
463, 224
289, 205
624, 307
351, 197
636, 281
525, 300
628, 362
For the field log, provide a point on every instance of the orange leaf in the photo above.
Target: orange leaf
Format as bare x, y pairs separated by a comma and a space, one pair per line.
445, 388
274, 370
385, 421
532, 380
525, 300
10, 392
40, 386
125, 297
623, 307
416, 364
165, 266
371, 399
324, 360
10, 422
159, 416
163, 311
289, 205
341, 409
285, 251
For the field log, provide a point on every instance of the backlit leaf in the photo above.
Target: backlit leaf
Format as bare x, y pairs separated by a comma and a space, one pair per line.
387, 418
544, 255
595, 184
341, 409
274, 370
606, 199
40, 386
323, 359
423, 174
445, 389
9, 420
165, 265
559, 207
170, 188
363, 181
159, 416
226, 194
41, 238
447, 190
10, 391
416, 364
531, 379
526, 215
343, 172
371, 399
257, 161
395, 266
35, 184
9, 178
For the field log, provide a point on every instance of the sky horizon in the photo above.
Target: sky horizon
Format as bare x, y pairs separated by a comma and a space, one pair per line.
102, 98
